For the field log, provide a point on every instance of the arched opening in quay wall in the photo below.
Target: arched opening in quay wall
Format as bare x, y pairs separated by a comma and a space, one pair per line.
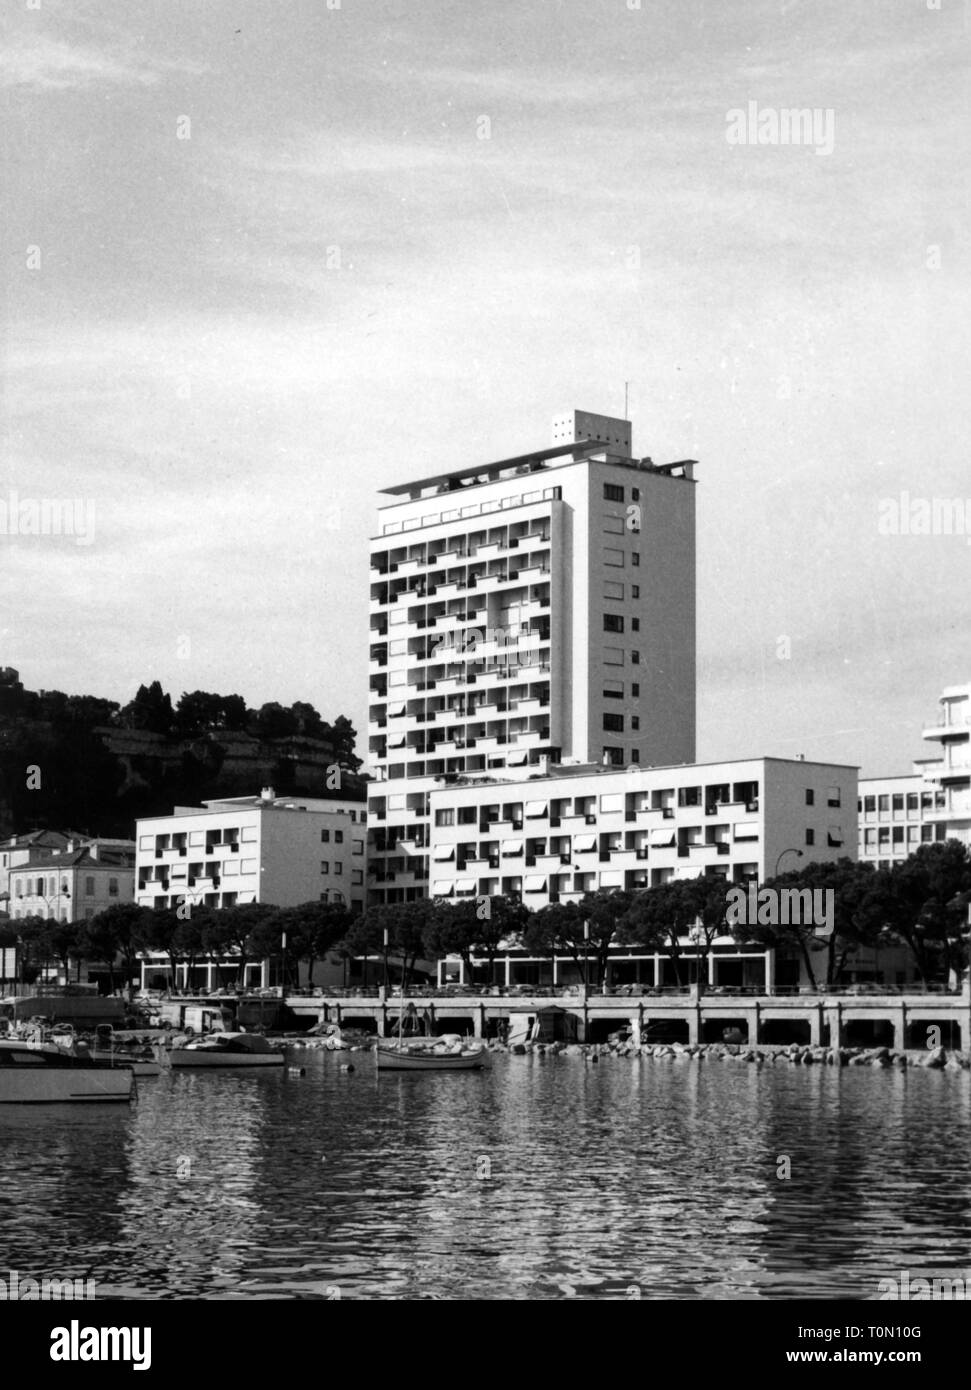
725, 1030
363, 1023
783, 1032
664, 1030
450, 1023
866, 1032
935, 1032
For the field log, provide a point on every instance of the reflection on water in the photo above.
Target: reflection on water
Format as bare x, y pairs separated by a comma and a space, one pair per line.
542, 1178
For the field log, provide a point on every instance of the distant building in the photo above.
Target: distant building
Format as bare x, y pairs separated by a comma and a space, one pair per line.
25, 849
899, 814
283, 850
72, 884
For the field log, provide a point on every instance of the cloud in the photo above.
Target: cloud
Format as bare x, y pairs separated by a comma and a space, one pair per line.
44, 64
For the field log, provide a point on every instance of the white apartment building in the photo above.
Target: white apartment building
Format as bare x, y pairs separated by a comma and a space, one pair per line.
555, 838
524, 613
896, 816
283, 850
899, 814
950, 770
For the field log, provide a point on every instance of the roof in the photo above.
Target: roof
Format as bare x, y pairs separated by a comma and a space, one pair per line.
73, 859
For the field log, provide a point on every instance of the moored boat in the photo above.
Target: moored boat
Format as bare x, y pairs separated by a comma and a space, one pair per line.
430, 1055
227, 1050
34, 1073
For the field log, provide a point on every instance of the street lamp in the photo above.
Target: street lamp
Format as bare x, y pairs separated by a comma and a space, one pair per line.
283, 965
797, 852
586, 954
385, 961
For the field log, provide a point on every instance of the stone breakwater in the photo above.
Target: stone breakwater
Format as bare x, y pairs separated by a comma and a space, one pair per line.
937, 1059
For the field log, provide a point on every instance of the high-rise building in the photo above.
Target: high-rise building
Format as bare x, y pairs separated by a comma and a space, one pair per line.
526, 613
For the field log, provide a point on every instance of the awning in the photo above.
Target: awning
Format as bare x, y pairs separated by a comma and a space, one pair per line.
583, 843
465, 885
397, 741
516, 759
536, 808
396, 711
612, 878
747, 830
444, 852
535, 883
662, 837
511, 847
835, 834
442, 888
612, 801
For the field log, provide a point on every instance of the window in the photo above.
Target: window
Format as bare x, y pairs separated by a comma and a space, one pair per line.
112, 888
635, 658
339, 867
898, 802
613, 622
467, 815
339, 837
833, 796
325, 837
614, 723
810, 797
883, 803
614, 757
615, 558
357, 878
613, 589
635, 721
613, 690
324, 866
635, 755
635, 624
635, 558
613, 492
89, 887
635, 591
613, 656
445, 817
614, 525
898, 834
635, 690
869, 804
635, 494
810, 837
912, 802
358, 847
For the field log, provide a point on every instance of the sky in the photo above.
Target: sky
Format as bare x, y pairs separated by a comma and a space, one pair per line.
260, 260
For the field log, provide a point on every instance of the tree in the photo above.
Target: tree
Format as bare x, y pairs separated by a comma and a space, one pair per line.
312, 929
406, 925
231, 930
151, 709
922, 902
123, 929
660, 917
584, 931
474, 927
273, 722
198, 713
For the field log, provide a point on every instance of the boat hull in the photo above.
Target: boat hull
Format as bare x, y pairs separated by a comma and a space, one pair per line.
390, 1059
189, 1057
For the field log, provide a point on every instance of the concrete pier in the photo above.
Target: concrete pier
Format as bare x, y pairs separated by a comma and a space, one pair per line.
836, 1020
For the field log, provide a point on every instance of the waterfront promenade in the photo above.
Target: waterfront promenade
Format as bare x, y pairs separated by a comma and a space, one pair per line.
901, 1021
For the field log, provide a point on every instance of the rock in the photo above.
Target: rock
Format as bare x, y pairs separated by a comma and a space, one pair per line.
519, 1049
935, 1059
347, 1066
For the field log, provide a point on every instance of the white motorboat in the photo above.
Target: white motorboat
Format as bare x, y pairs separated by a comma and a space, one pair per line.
227, 1050
35, 1073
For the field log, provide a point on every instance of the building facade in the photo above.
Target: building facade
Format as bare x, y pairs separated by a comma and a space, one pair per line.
556, 838
283, 850
526, 613
73, 884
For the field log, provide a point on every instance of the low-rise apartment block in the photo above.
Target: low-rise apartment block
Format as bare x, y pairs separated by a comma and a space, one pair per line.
283, 850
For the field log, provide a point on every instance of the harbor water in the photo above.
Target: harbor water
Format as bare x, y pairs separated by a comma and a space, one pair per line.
541, 1178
